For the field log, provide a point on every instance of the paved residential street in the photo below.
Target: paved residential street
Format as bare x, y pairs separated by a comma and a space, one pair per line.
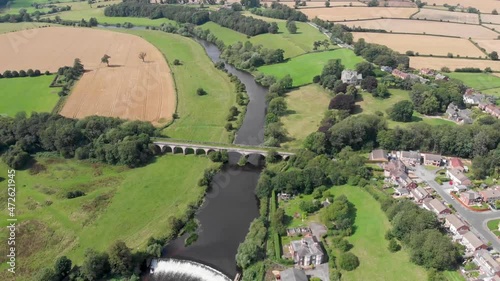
477, 220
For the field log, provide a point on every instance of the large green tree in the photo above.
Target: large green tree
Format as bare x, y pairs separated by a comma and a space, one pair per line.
120, 258
402, 111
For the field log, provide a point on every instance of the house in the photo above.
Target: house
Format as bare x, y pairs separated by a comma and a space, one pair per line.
400, 74
351, 77
409, 157
401, 191
436, 206
298, 231
419, 194
440, 76
472, 97
306, 252
394, 169
419, 78
292, 274
432, 159
470, 197
458, 177
427, 71
492, 110
456, 163
456, 225
460, 188
472, 242
488, 265
462, 116
386, 68
490, 195
378, 155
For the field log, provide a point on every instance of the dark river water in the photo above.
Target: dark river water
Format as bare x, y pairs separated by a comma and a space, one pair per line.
230, 204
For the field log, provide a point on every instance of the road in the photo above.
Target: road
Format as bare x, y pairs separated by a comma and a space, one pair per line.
477, 220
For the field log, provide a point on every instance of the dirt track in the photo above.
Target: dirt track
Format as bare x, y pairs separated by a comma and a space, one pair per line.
129, 88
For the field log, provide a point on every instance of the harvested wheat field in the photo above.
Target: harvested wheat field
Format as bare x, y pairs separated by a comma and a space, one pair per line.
427, 27
357, 13
495, 19
485, 6
447, 16
320, 4
423, 44
492, 26
489, 45
437, 63
129, 88
396, 3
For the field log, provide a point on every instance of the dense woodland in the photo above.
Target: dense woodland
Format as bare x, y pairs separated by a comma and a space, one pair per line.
142, 8
280, 11
109, 140
236, 21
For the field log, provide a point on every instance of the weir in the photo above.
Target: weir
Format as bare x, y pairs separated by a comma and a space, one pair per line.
184, 270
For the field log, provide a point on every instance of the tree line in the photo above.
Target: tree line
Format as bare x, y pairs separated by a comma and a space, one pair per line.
249, 56
280, 11
108, 140
421, 232
238, 22
142, 8
22, 73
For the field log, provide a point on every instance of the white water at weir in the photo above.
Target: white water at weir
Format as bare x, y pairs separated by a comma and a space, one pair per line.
188, 268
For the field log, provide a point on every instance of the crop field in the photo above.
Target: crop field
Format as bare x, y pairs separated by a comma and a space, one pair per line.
478, 81
119, 204
423, 44
395, 3
306, 106
128, 88
376, 263
426, 27
489, 18
358, 13
494, 27
489, 45
437, 63
321, 4
201, 118
292, 44
28, 94
304, 68
440, 15
485, 6
27, 27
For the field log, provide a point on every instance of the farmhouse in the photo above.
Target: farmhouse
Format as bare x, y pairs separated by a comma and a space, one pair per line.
456, 225
473, 97
378, 155
409, 157
436, 206
490, 195
351, 77
472, 242
470, 197
292, 274
419, 194
458, 115
400, 74
486, 262
432, 159
427, 71
458, 177
456, 163
306, 252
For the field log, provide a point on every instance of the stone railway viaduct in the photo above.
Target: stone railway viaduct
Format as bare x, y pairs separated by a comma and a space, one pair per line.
184, 147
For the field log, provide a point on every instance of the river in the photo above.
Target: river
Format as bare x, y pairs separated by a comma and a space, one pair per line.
230, 204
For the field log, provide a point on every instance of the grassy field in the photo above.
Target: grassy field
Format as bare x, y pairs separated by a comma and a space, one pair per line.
10, 27
369, 105
376, 262
303, 68
201, 118
306, 106
493, 226
120, 203
82, 10
293, 44
29, 94
493, 92
454, 276
478, 81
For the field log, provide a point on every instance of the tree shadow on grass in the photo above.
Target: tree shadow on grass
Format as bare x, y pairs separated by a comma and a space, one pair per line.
416, 119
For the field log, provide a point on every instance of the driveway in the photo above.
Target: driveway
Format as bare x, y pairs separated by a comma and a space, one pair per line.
477, 220
322, 271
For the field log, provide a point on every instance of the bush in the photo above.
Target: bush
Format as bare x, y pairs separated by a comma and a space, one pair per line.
348, 261
22, 73
74, 194
177, 62
394, 246
201, 92
47, 72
